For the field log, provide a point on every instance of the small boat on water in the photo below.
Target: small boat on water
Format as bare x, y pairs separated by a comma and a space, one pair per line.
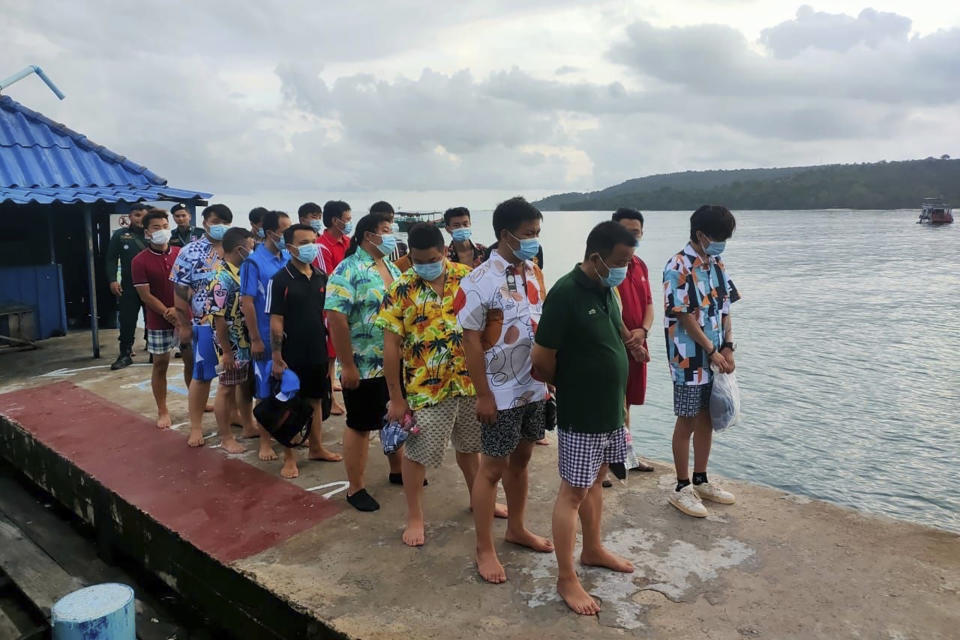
935, 211
406, 219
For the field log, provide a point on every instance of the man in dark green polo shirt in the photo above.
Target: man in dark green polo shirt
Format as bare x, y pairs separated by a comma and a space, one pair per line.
183, 233
125, 244
581, 347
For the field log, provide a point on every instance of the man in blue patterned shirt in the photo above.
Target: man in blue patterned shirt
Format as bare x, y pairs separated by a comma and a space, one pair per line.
697, 297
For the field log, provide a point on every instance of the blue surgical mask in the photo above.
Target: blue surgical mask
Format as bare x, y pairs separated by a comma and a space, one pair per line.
317, 225
615, 275
429, 271
260, 233
388, 244
216, 231
307, 253
715, 248
528, 247
347, 228
462, 234
281, 243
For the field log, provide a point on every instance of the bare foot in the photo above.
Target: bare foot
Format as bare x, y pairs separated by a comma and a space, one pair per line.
489, 567
163, 420
577, 598
324, 456
413, 535
230, 445
530, 540
603, 558
266, 453
337, 409
195, 439
499, 511
250, 432
208, 408
289, 469
543, 442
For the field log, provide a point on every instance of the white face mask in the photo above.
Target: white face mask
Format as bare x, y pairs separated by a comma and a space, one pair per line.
161, 237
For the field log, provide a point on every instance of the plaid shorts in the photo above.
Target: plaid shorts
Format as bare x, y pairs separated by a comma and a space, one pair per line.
235, 376
580, 455
689, 399
161, 341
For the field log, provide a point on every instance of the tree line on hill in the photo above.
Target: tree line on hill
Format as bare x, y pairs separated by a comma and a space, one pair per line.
878, 185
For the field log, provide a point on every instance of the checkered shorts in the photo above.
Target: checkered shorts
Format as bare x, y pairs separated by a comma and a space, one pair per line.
235, 376
689, 400
580, 455
452, 420
161, 341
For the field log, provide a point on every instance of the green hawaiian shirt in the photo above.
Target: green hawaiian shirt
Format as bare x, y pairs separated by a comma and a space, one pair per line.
356, 290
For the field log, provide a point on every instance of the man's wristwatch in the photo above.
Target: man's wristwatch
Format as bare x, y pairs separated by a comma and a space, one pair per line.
728, 345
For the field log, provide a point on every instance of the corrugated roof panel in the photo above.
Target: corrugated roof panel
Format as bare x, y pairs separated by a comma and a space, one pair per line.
44, 161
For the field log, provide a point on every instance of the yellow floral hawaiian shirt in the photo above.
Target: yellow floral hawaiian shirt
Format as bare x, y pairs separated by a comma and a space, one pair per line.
434, 365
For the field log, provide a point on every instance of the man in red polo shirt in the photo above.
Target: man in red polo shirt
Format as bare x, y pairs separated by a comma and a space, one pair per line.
151, 279
335, 240
637, 303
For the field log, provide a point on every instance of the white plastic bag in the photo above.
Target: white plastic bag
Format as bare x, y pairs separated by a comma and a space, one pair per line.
724, 401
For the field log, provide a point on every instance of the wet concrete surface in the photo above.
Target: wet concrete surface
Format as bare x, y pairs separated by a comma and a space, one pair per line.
774, 565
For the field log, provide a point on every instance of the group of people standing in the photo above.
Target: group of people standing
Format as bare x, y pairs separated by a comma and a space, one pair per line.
461, 343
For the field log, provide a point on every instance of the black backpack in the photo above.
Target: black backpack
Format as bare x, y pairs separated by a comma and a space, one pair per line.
289, 421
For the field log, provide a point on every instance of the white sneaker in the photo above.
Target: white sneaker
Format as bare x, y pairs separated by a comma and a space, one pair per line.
714, 493
688, 502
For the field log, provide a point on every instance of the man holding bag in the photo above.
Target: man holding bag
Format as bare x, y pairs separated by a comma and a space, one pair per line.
699, 333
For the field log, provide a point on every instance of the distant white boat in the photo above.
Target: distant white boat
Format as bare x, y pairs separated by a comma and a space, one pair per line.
935, 211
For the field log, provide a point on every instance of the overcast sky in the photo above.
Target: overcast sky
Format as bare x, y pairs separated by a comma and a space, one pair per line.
433, 104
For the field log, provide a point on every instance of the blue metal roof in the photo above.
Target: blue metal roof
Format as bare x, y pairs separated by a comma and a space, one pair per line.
42, 161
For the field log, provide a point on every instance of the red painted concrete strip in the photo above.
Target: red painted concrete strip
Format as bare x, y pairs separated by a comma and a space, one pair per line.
227, 508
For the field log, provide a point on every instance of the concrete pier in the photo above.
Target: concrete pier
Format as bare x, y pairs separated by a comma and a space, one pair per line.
288, 559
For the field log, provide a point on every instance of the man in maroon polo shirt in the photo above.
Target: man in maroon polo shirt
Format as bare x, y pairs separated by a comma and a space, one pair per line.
151, 279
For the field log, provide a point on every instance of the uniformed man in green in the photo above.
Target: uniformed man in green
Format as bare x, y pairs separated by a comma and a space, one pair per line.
183, 233
125, 243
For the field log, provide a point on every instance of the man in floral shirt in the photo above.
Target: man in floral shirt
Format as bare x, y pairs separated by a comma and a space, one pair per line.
354, 294
422, 336
191, 275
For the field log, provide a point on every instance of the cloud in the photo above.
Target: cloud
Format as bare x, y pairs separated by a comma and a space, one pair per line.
566, 70
833, 31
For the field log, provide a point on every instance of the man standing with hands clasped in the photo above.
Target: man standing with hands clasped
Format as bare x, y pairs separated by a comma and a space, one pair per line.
697, 296
580, 348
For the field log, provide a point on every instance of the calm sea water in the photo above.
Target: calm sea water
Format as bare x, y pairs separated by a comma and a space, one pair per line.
848, 338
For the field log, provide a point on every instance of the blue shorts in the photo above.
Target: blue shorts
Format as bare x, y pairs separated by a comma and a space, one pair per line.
204, 353
262, 370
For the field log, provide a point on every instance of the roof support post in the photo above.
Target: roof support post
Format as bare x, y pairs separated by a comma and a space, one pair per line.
53, 251
91, 280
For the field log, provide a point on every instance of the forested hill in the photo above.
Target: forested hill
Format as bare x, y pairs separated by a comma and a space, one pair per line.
878, 185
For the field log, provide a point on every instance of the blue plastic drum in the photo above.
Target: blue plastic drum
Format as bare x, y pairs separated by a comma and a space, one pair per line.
100, 612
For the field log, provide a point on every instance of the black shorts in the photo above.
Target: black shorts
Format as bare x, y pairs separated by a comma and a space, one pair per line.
314, 379
367, 404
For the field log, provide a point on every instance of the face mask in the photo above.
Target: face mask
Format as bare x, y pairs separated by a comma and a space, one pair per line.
461, 235
280, 242
307, 253
260, 233
161, 237
216, 231
388, 244
244, 254
430, 271
715, 248
528, 247
347, 228
615, 275
317, 225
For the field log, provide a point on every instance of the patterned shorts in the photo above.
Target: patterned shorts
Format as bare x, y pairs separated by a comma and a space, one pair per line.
580, 455
689, 400
237, 375
454, 420
161, 341
527, 423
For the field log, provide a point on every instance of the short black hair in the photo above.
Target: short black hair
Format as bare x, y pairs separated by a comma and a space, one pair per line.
714, 221
177, 207
512, 213
454, 212
382, 207
234, 237
626, 213
605, 236
271, 220
222, 211
334, 209
292, 229
256, 215
308, 208
140, 206
154, 214
425, 235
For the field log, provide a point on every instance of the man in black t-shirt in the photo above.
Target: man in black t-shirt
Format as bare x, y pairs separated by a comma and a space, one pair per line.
298, 338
